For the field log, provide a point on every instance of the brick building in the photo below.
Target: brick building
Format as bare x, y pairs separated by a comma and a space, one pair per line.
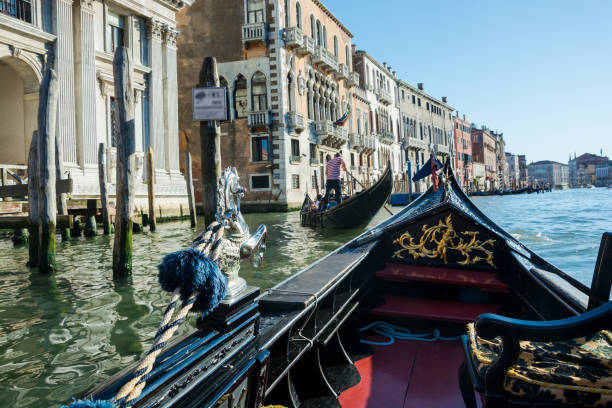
484, 152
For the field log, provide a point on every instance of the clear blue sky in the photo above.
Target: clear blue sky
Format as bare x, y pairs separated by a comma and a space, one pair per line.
538, 71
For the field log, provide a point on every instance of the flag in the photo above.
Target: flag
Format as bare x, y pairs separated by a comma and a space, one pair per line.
342, 120
426, 169
434, 172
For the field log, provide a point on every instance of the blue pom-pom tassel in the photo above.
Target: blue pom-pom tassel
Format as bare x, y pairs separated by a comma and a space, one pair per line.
191, 270
90, 403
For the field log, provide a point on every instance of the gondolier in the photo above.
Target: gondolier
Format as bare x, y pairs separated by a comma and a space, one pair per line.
332, 171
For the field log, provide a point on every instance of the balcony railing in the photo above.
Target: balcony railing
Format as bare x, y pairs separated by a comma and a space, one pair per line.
314, 161
416, 143
343, 71
294, 37
368, 143
19, 9
253, 32
352, 80
386, 137
296, 159
384, 96
258, 119
307, 47
330, 134
442, 149
324, 59
342, 133
355, 141
296, 122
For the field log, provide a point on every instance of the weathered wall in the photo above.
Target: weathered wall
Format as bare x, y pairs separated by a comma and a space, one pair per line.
14, 146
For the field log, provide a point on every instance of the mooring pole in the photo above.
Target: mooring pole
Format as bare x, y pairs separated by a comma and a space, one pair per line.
126, 147
106, 225
210, 143
33, 201
47, 114
190, 196
62, 207
151, 188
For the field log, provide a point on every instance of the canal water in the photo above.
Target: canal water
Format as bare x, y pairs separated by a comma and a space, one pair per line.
61, 334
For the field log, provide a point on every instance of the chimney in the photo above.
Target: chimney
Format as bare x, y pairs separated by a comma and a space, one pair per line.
395, 73
444, 99
385, 64
354, 48
420, 85
389, 68
464, 116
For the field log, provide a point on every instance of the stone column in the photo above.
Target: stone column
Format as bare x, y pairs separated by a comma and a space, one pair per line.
64, 66
85, 83
156, 93
171, 100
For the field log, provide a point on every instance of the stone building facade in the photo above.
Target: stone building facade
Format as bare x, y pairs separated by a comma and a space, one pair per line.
287, 70
426, 127
524, 178
463, 151
583, 169
547, 172
484, 152
514, 173
79, 38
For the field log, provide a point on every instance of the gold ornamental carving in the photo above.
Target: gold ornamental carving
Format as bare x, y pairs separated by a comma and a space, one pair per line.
437, 240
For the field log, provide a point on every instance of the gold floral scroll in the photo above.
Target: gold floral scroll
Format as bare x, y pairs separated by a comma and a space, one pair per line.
437, 240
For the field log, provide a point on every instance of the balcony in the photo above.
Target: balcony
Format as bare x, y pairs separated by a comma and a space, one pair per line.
314, 161
294, 37
330, 134
442, 149
368, 143
384, 96
324, 59
415, 143
19, 9
307, 47
386, 137
295, 159
352, 80
296, 122
343, 71
254, 32
258, 119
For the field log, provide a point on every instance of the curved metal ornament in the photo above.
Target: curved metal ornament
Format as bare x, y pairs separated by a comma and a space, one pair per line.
237, 244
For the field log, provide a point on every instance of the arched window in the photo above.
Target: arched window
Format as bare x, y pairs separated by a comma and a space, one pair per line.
287, 14
319, 33
347, 55
223, 83
241, 105
313, 29
255, 11
291, 90
298, 15
335, 46
258, 92
324, 37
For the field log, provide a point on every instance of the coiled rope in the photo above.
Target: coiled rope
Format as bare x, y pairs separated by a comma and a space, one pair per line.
191, 275
394, 332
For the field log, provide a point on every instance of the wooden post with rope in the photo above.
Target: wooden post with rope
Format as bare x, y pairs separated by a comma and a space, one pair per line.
62, 207
152, 220
102, 178
190, 195
362, 186
126, 163
210, 143
47, 208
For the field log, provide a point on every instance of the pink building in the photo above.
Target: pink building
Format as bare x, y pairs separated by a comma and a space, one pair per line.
463, 151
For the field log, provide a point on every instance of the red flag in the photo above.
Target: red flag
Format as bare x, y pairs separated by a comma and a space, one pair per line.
434, 173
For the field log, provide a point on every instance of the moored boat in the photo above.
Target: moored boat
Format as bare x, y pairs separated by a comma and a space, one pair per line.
381, 322
354, 211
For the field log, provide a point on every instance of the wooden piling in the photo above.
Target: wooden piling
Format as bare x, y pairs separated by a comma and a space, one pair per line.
47, 115
91, 227
190, 196
33, 201
62, 207
151, 188
126, 147
102, 178
3, 179
210, 143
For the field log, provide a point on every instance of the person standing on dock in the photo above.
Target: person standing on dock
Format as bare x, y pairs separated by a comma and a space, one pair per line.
332, 170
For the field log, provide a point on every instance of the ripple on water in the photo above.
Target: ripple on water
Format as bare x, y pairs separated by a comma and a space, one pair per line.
61, 334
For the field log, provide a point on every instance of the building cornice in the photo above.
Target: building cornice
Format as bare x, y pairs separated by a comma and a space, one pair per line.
405, 84
331, 15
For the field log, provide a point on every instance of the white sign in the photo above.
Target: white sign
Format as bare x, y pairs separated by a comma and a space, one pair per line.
209, 104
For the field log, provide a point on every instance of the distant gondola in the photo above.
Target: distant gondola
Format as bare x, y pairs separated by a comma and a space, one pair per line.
354, 211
